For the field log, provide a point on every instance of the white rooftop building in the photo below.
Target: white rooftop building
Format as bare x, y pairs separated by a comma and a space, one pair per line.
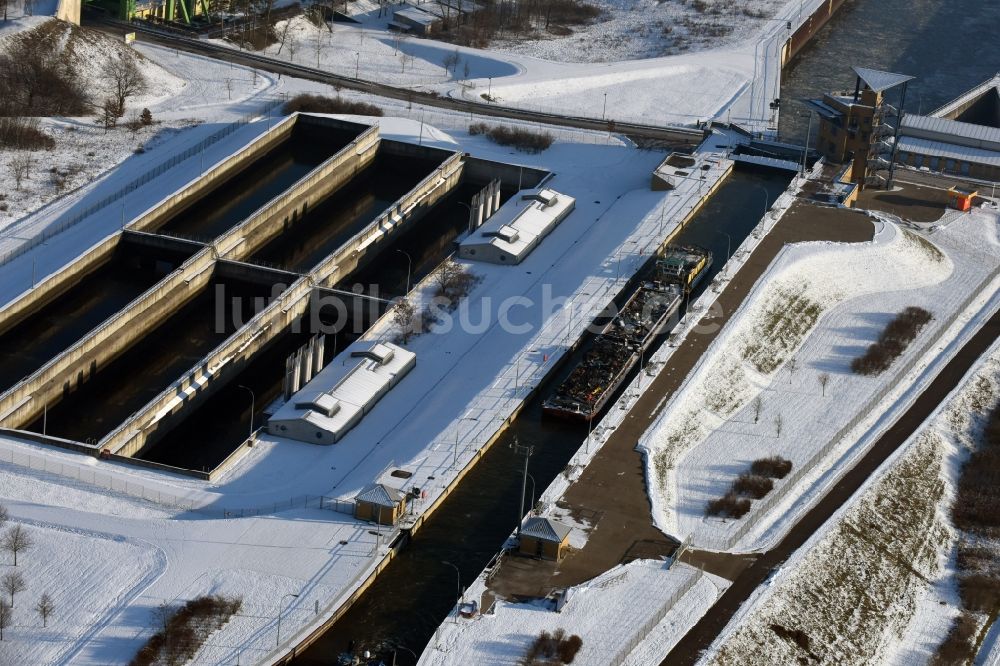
518, 227
341, 394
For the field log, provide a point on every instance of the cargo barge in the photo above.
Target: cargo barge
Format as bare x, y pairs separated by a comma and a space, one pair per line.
686, 265
615, 352
621, 344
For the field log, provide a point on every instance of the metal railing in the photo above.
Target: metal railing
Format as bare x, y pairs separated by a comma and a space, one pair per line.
642, 633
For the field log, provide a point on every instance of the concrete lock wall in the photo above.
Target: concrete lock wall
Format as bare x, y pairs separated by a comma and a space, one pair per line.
360, 249
24, 402
280, 213
222, 171
510, 175
59, 282
200, 382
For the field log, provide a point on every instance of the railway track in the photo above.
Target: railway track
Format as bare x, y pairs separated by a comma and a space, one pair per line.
681, 136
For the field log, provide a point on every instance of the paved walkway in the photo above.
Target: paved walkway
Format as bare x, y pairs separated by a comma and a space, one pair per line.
611, 493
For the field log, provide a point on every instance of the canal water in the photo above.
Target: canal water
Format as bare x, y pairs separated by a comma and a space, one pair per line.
268, 176
67, 317
416, 591
99, 401
950, 46
301, 246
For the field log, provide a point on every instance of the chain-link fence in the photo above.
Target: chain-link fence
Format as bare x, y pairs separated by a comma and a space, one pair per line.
642, 633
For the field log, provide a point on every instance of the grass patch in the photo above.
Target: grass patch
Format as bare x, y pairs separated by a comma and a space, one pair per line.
927, 248
892, 342
860, 582
307, 103
787, 318
727, 384
528, 141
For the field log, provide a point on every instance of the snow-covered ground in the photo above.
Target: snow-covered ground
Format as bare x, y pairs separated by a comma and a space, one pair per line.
836, 299
610, 613
876, 583
614, 68
580, 266
182, 92
88, 574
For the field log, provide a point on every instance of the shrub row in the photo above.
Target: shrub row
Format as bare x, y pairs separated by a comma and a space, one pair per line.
554, 648
307, 103
185, 629
898, 334
755, 484
23, 134
525, 140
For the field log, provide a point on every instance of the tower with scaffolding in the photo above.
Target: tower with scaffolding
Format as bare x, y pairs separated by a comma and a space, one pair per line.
861, 128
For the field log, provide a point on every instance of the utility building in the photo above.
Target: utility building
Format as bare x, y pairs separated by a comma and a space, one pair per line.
517, 228
543, 537
380, 504
342, 393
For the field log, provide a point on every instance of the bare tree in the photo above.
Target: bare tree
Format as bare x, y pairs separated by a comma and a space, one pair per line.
108, 114
3, 4
283, 35
12, 583
4, 516
792, 367
451, 61
758, 404
6, 615
125, 80
823, 380
403, 316
29, 7
20, 167
45, 607
779, 424
16, 540
292, 46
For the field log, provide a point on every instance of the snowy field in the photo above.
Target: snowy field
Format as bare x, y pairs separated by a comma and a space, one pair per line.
875, 585
182, 92
836, 300
608, 612
89, 576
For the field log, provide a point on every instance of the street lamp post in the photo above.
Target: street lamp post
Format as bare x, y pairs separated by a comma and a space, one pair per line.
409, 268
462, 203
604, 110
357, 66
253, 400
527, 451
531, 506
277, 642
458, 580
729, 249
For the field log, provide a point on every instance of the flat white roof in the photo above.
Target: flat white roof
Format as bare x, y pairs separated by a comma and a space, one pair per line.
349, 386
522, 221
